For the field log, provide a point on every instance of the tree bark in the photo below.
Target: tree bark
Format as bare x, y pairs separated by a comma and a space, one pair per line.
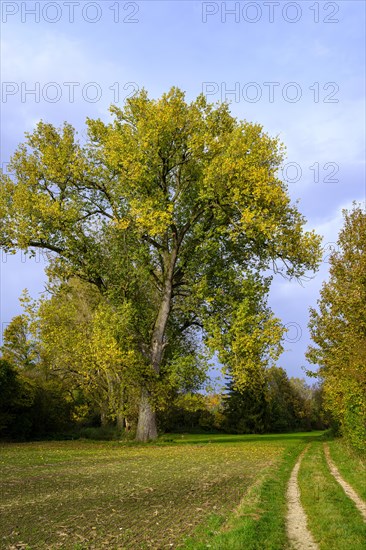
103, 419
120, 421
146, 427
121, 405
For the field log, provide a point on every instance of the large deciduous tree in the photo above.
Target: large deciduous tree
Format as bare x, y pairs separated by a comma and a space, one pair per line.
173, 207
338, 330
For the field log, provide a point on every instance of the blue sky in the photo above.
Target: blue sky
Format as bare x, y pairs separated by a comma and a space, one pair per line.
298, 68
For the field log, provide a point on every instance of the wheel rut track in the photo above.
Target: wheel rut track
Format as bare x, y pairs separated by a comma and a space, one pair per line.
350, 492
296, 522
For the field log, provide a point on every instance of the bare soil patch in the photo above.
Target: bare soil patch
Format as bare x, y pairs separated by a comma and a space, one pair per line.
76, 494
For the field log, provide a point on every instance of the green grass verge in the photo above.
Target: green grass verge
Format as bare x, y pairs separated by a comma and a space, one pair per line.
90, 495
333, 519
259, 521
351, 465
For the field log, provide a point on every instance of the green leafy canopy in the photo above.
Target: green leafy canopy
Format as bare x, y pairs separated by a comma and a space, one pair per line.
174, 207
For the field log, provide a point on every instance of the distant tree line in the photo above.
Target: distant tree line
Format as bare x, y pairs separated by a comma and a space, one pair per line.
282, 404
41, 400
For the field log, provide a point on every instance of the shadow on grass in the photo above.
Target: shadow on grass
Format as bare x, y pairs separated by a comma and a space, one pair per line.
206, 439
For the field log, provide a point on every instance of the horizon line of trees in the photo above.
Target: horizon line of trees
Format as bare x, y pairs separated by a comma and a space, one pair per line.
33, 408
61, 372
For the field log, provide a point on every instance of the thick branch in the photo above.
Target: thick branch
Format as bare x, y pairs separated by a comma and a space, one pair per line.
48, 246
189, 224
153, 242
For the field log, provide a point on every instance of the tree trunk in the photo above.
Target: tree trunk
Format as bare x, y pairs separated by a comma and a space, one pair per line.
103, 419
146, 427
120, 419
120, 407
127, 425
122, 422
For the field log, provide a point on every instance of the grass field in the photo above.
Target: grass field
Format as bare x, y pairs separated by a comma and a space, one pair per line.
81, 494
191, 491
